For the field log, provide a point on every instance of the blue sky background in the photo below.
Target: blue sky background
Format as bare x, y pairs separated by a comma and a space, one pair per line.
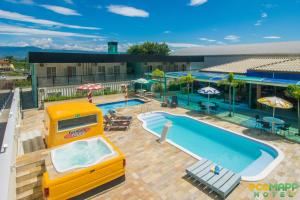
89, 24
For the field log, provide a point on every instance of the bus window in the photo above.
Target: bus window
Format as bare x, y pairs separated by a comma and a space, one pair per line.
76, 122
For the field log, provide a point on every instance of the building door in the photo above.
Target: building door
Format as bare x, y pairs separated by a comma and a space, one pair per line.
71, 71
51, 72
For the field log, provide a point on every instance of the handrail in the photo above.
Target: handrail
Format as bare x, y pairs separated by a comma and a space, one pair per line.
8, 157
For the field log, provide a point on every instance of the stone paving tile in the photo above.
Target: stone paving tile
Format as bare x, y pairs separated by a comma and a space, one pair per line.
157, 171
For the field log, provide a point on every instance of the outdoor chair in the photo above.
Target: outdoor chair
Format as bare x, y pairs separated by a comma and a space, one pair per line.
214, 108
115, 124
285, 128
259, 122
114, 116
174, 102
265, 126
202, 108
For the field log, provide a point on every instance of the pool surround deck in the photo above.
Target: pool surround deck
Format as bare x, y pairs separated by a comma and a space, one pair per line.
157, 171
257, 177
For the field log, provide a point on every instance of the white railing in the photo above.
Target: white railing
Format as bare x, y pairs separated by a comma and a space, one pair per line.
9, 149
71, 90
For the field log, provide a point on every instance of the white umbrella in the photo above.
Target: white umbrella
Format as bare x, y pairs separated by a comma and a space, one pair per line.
208, 91
141, 81
275, 102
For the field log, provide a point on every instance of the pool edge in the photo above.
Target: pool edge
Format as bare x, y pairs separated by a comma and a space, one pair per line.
258, 177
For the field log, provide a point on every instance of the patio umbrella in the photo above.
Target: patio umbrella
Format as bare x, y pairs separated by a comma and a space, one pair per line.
90, 87
141, 81
275, 102
209, 91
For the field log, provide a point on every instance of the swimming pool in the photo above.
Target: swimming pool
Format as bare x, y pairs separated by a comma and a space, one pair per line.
119, 104
81, 153
251, 158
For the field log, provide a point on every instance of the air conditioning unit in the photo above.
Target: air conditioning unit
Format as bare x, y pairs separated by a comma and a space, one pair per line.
41, 64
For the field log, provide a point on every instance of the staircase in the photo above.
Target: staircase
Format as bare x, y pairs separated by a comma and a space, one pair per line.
29, 180
31, 142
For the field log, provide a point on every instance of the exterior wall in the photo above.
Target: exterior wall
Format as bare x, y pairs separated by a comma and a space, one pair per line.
7, 67
81, 69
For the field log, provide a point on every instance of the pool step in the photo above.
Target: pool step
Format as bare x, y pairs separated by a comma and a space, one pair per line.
31, 142
32, 194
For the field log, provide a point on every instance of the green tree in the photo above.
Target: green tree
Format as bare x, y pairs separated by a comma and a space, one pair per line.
188, 79
232, 84
157, 73
294, 92
149, 48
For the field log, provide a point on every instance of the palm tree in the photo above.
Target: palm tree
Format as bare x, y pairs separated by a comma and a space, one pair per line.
188, 79
232, 83
294, 92
157, 73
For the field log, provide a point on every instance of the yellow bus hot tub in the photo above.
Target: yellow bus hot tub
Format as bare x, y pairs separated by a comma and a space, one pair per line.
81, 159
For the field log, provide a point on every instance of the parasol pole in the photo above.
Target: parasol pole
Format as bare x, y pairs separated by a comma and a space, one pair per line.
273, 112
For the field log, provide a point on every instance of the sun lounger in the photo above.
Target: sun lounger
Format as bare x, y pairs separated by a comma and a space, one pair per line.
114, 116
222, 183
165, 103
115, 124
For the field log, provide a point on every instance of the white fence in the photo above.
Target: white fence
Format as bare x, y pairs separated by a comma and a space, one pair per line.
71, 90
9, 149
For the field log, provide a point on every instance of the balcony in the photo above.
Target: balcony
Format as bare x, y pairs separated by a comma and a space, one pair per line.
82, 79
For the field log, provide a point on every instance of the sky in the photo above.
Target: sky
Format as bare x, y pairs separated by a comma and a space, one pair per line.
90, 24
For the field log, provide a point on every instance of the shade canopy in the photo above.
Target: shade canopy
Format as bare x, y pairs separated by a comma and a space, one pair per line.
208, 90
141, 81
275, 102
90, 86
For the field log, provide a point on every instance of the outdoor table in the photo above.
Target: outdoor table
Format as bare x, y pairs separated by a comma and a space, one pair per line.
141, 91
273, 121
208, 105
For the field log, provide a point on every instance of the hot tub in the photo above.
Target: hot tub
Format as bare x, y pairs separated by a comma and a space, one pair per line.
81, 153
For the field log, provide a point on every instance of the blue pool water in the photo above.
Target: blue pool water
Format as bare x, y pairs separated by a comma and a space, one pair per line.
239, 154
119, 104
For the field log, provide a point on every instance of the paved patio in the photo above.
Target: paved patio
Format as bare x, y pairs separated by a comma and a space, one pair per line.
157, 171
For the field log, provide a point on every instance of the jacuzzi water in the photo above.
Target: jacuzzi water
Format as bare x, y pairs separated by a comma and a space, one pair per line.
238, 153
81, 153
119, 104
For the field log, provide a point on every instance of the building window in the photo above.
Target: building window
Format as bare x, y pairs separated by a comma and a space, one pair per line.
51, 72
117, 69
90, 70
71, 71
101, 70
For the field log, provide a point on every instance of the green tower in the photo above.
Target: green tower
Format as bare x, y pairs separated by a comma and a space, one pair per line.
112, 47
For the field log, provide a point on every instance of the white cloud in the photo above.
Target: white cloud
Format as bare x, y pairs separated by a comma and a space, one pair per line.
197, 2
18, 30
207, 39
69, 1
182, 45
25, 18
232, 38
61, 10
258, 23
167, 32
127, 11
272, 37
264, 15
28, 2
